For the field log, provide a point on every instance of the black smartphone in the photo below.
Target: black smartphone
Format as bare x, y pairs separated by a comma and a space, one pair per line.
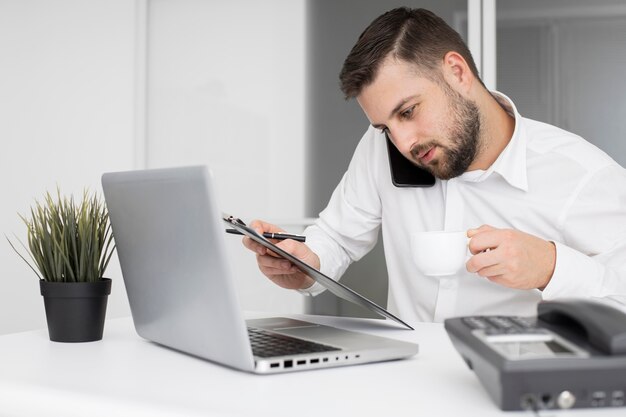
404, 173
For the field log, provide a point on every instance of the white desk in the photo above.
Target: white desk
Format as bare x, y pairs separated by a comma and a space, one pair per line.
124, 375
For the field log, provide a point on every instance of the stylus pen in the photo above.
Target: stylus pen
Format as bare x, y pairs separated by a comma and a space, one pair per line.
278, 236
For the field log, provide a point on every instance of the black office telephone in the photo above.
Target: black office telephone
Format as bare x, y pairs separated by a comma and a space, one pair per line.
571, 355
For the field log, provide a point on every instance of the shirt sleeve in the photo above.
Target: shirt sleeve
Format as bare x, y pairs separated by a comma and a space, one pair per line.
347, 228
591, 262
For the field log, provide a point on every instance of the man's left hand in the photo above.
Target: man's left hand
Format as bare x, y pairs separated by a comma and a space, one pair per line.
511, 258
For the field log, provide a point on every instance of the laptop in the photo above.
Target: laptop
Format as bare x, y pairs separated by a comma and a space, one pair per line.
170, 244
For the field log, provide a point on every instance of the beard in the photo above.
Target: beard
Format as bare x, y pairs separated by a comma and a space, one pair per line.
462, 137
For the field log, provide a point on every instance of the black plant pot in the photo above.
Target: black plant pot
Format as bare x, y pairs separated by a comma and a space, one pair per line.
75, 311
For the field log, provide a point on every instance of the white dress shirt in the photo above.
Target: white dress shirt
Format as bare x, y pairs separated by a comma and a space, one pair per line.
547, 182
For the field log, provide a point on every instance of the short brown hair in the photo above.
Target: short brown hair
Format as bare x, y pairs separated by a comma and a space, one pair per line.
413, 35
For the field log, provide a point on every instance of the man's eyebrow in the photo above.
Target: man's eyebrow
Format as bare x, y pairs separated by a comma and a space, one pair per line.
396, 109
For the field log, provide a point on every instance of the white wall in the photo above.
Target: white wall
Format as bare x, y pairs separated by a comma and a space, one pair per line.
66, 106
225, 84
225, 87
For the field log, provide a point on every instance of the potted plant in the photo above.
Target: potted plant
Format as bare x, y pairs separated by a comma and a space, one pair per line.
70, 245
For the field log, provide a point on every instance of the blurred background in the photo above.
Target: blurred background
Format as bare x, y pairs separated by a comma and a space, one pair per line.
250, 88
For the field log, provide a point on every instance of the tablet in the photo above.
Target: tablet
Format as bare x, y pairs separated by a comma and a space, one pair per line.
330, 284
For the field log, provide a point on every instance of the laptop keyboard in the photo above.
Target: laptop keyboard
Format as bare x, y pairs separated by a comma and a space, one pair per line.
267, 344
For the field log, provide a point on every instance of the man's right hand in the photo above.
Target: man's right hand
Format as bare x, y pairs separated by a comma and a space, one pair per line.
282, 272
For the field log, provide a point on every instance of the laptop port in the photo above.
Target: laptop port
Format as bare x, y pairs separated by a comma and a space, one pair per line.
325, 360
274, 365
528, 402
315, 360
301, 362
288, 363
546, 401
618, 399
597, 398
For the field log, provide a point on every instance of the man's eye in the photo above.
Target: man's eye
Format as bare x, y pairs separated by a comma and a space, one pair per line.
407, 113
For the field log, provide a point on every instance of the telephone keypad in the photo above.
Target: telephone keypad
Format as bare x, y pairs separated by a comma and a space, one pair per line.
493, 325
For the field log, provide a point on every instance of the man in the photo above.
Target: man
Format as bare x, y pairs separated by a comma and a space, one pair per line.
545, 210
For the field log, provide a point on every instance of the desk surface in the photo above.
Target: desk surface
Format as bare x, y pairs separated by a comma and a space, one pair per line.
126, 375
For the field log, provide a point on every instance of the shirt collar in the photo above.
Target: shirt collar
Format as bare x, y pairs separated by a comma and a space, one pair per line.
511, 163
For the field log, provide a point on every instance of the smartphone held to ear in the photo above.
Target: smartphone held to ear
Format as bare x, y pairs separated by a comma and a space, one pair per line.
404, 173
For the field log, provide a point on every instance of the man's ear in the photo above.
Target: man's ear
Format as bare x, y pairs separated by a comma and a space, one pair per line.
457, 73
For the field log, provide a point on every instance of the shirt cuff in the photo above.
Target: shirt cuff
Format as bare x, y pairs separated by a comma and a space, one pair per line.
575, 275
313, 290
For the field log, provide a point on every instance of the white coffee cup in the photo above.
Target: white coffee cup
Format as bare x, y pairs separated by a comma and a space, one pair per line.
439, 253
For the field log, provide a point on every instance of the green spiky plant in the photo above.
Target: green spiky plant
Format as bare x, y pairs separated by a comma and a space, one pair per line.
68, 242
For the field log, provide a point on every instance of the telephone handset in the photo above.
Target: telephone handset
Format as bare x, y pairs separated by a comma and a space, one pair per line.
571, 355
602, 326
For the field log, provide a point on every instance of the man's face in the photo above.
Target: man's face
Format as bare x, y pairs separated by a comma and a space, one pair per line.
431, 125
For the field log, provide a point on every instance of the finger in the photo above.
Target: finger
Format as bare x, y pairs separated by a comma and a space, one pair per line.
253, 246
483, 260
293, 247
273, 272
261, 227
300, 251
296, 249
277, 272
275, 265
492, 272
488, 239
497, 279
483, 228
259, 248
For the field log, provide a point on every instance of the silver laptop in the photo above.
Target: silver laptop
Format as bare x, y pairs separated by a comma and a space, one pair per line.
170, 243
